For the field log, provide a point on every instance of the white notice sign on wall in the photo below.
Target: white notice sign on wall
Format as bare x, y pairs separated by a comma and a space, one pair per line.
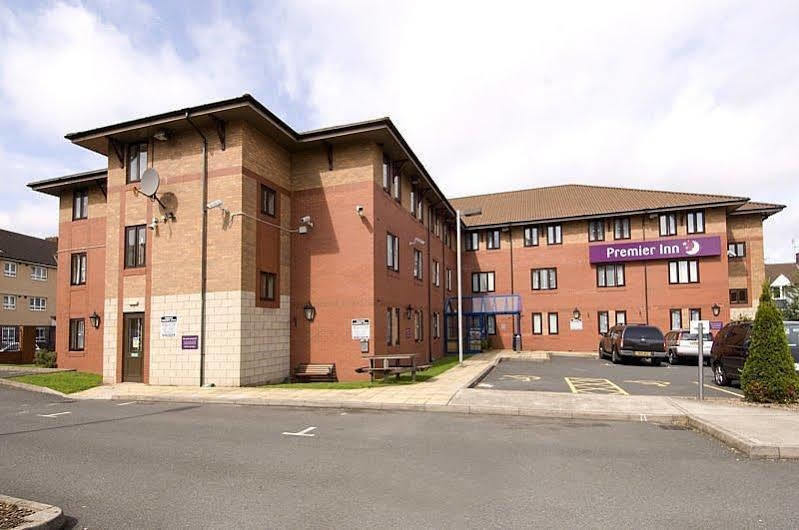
361, 329
169, 326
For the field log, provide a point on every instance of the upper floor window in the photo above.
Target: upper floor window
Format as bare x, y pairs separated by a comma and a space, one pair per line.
137, 161
739, 296
268, 201
418, 264
668, 224
80, 204
736, 250
392, 252
482, 282
420, 210
135, 246
78, 269
621, 228
37, 303
396, 186
38, 273
492, 239
695, 222
267, 286
544, 279
436, 326
414, 197
684, 271
554, 235
9, 269
436, 273
386, 173
449, 279
436, 223
9, 302
472, 241
596, 230
530, 236
610, 275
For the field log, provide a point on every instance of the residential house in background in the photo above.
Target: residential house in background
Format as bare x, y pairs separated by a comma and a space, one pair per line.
782, 277
28, 291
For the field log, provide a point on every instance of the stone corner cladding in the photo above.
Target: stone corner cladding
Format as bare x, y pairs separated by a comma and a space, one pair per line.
245, 344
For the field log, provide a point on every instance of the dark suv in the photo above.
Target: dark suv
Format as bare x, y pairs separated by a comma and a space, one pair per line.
731, 347
633, 341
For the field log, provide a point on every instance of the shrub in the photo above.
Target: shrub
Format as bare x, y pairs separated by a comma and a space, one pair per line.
768, 375
45, 359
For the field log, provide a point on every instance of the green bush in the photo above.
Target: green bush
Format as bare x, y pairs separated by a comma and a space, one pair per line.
768, 375
45, 359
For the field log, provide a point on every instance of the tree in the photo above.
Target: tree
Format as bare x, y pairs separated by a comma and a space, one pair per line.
768, 375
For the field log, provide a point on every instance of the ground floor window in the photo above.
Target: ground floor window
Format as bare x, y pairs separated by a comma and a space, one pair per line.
621, 317
696, 314
77, 328
553, 324
435, 326
418, 325
491, 324
676, 318
392, 326
603, 319
8, 338
537, 324
41, 335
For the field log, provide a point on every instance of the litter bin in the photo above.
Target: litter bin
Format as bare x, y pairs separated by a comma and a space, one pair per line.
517, 342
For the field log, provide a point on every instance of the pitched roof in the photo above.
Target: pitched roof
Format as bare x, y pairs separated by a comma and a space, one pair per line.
762, 207
790, 270
570, 201
27, 248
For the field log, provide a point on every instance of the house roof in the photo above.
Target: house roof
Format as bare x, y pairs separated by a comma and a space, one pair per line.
577, 201
20, 247
790, 270
54, 186
766, 208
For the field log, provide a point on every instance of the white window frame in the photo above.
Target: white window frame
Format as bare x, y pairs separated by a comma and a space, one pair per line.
8, 335
38, 273
37, 303
9, 302
9, 269
436, 274
449, 279
392, 252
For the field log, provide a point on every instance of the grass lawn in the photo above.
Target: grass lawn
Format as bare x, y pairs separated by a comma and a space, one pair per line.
439, 366
66, 382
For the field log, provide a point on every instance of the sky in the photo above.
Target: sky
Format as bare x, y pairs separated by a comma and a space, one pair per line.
492, 96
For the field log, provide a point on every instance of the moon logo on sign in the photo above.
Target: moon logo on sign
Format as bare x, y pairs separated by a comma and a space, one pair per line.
691, 247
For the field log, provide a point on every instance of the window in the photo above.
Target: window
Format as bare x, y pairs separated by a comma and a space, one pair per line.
418, 264
736, 250
9, 302
267, 286
492, 239
80, 204
436, 273
9, 269
552, 329
418, 325
482, 282
695, 222
137, 161
449, 279
537, 324
554, 235
696, 313
596, 230
392, 252
777, 293
668, 224
135, 246
676, 318
436, 224
739, 296
38, 273
392, 326
491, 324
621, 317
37, 303
684, 271
544, 279
413, 195
386, 173
420, 210
610, 275
78, 269
77, 330
268, 201
530, 236
396, 187
472, 241
435, 325
41, 335
603, 321
8, 338
621, 228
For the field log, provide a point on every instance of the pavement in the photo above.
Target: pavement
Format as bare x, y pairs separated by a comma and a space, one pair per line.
12, 370
759, 432
116, 464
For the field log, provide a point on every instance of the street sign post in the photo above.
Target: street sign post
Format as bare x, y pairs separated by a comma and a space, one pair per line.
699, 327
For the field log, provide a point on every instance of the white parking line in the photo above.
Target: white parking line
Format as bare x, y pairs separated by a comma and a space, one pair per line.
53, 415
713, 387
304, 432
125, 403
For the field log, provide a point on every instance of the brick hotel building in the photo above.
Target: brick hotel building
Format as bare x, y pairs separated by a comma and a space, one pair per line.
262, 245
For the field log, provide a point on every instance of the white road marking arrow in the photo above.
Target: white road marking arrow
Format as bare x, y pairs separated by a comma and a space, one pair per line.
304, 432
53, 415
525, 378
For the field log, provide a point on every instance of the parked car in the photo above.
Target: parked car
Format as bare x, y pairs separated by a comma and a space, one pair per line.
681, 344
731, 347
633, 341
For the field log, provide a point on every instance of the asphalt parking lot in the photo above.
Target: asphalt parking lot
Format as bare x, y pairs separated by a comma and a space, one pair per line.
581, 375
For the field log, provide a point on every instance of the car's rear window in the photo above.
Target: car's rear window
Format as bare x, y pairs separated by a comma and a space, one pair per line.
645, 332
695, 336
792, 333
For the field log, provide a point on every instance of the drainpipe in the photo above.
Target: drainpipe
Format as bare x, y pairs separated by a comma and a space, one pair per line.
646, 279
203, 265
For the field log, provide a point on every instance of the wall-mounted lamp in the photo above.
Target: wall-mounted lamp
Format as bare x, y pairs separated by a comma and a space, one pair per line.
716, 310
309, 311
576, 314
95, 320
214, 204
408, 312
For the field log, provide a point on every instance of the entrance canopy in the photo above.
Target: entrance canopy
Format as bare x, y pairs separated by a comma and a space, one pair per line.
492, 304
479, 312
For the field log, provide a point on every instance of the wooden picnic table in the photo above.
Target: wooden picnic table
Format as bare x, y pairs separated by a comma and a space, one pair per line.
382, 364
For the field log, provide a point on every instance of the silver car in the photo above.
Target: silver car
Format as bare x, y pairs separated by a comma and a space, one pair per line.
682, 344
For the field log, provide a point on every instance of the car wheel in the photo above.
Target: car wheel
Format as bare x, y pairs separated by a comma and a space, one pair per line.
615, 357
673, 359
655, 362
719, 376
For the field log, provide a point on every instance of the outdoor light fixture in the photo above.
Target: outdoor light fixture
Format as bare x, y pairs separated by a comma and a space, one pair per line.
214, 204
716, 310
408, 312
95, 320
576, 314
310, 312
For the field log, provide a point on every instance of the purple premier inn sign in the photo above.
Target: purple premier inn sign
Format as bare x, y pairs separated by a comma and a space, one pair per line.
691, 247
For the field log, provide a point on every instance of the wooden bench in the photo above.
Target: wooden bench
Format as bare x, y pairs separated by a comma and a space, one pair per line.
382, 365
316, 373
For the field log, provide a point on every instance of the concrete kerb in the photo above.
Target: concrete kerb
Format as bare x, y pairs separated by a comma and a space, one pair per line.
32, 388
44, 516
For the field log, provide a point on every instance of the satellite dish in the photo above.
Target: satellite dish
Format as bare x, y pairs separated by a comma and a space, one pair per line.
150, 182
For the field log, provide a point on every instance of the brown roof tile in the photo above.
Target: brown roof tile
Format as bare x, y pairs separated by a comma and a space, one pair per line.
29, 249
789, 270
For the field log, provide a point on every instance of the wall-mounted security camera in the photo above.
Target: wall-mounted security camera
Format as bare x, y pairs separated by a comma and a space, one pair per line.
153, 224
359, 210
213, 204
302, 229
306, 220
